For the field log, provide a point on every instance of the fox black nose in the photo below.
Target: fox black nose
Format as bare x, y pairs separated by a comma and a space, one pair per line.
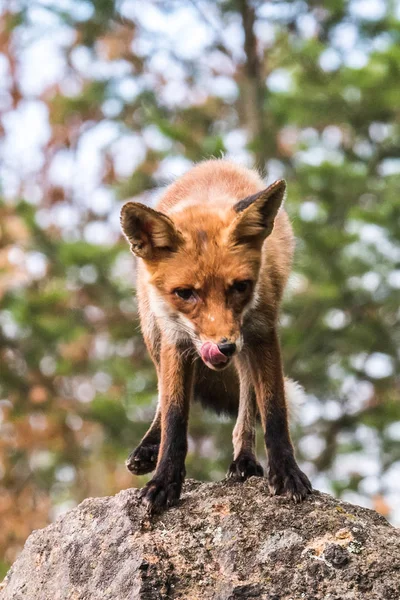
227, 348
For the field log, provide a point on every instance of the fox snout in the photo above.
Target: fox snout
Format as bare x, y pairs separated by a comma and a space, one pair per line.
217, 355
227, 348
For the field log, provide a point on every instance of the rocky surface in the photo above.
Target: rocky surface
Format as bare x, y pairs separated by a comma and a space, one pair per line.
225, 541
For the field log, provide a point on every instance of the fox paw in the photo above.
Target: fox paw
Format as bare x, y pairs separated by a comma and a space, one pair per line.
161, 492
143, 459
287, 479
245, 466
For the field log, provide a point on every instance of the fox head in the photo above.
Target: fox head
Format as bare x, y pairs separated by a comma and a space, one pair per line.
202, 265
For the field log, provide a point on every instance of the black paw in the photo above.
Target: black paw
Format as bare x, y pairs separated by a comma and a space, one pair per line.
161, 493
143, 459
285, 478
245, 466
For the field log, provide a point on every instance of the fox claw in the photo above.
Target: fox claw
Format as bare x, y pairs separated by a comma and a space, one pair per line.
290, 481
143, 459
159, 494
245, 466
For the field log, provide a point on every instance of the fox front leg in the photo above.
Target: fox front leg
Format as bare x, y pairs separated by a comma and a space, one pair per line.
176, 373
284, 475
143, 459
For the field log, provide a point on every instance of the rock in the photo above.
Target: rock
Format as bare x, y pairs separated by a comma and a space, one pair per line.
225, 541
337, 555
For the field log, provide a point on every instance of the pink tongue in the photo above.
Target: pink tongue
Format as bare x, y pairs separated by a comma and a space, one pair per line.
210, 353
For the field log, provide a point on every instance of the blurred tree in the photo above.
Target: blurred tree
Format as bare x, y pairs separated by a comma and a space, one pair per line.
105, 100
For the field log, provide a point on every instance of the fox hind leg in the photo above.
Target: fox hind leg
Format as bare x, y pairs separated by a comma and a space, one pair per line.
245, 464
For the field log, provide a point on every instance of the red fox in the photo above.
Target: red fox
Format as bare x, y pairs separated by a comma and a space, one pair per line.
214, 259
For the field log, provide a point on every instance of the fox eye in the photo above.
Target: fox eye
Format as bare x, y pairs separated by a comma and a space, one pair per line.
241, 286
184, 293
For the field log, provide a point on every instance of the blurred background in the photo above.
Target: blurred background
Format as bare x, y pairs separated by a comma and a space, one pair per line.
101, 101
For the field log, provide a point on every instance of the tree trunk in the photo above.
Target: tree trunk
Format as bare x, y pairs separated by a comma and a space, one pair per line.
253, 87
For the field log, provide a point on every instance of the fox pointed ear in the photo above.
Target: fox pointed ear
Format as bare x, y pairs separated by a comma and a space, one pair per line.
256, 214
150, 233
